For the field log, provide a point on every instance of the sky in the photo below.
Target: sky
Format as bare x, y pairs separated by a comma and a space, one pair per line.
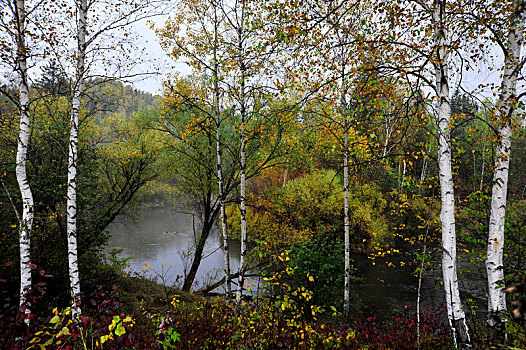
471, 81
153, 83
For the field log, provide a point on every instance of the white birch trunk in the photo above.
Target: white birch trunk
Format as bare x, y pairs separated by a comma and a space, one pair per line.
423, 174
347, 238
21, 158
219, 151
399, 175
495, 254
243, 209
455, 313
224, 231
481, 184
72, 159
424, 170
403, 175
388, 133
242, 206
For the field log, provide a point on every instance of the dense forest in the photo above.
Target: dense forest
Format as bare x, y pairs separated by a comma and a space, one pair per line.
321, 138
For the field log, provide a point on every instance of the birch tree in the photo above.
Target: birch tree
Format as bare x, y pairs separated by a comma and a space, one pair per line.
71, 205
22, 42
249, 55
18, 8
456, 316
219, 151
421, 39
337, 65
206, 36
240, 31
94, 37
499, 25
510, 43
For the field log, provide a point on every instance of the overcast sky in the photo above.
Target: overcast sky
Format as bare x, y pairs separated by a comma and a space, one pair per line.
163, 64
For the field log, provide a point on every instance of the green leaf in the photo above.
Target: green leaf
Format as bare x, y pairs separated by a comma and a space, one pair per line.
120, 330
55, 319
65, 331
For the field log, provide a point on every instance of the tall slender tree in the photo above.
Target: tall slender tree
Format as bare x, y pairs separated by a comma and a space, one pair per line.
19, 11
239, 23
421, 38
510, 44
249, 54
336, 62
94, 35
219, 151
71, 220
456, 316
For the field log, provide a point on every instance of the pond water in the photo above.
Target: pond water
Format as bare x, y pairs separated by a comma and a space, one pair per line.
162, 239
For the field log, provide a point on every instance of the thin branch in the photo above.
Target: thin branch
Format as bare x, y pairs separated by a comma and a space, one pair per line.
11, 200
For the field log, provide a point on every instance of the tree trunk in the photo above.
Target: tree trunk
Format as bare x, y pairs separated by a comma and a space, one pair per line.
21, 157
388, 133
456, 316
242, 205
423, 174
198, 256
71, 219
495, 254
347, 238
224, 228
403, 175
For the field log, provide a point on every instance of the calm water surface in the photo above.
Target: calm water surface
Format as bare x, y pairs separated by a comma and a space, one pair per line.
162, 235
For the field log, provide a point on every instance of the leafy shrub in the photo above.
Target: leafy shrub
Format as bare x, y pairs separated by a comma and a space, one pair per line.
400, 332
312, 206
319, 264
283, 317
408, 213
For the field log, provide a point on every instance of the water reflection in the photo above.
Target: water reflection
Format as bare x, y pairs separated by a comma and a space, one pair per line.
167, 236
163, 235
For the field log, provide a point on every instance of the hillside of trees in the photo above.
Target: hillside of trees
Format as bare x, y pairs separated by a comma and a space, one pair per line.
308, 132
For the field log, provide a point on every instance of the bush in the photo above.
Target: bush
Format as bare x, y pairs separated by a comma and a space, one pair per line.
312, 207
319, 264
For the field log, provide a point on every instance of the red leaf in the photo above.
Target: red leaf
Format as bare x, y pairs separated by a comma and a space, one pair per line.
85, 321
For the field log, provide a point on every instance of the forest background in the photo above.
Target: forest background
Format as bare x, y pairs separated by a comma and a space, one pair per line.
305, 130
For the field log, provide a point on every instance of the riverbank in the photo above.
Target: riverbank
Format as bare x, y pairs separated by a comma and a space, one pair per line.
191, 321
132, 312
